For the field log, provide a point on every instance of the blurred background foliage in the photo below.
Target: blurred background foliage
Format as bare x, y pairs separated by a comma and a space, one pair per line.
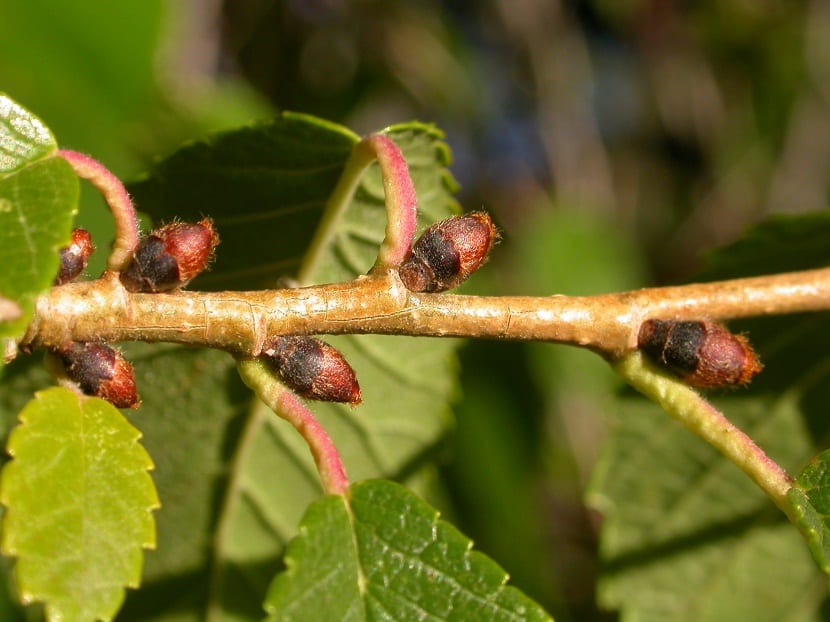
614, 141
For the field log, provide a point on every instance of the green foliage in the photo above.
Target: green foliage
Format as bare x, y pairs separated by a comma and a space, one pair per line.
38, 197
78, 502
23, 137
193, 406
394, 559
264, 186
280, 175
685, 536
811, 499
682, 542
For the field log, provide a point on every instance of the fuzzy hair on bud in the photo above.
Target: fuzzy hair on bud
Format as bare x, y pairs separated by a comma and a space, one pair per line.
171, 256
314, 369
703, 354
75, 256
448, 252
101, 371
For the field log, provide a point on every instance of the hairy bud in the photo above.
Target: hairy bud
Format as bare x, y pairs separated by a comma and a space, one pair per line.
102, 371
170, 256
703, 354
75, 256
313, 369
448, 252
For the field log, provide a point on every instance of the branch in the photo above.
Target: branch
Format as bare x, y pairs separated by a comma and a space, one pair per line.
241, 321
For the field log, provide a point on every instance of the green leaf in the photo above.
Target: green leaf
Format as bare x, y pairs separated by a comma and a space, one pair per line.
265, 187
23, 137
811, 498
406, 398
193, 406
686, 535
383, 554
38, 199
77, 493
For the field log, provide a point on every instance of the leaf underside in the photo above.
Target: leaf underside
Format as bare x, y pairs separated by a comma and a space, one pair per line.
78, 502
395, 560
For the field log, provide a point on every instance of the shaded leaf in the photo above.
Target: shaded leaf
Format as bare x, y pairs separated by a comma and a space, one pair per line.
686, 535
77, 493
406, 396
395, 560
265, 187
192, 407
811, 498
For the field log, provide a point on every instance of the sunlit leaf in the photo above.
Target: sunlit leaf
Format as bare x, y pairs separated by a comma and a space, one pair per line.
78, 503
381, 553
38, 199
23, 137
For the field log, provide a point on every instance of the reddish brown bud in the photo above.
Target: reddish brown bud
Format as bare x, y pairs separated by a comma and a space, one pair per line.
170, 256
313, 369
102, 371
75, 256
448, 252
703, 354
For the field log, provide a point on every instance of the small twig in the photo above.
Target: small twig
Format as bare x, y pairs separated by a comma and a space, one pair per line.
118, 201
701, 418
256, 375
241, 321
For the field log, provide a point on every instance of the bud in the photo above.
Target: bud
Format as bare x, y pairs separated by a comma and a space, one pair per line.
703, 354
102, 371
448, 252
170, 256
75, 256
313, 369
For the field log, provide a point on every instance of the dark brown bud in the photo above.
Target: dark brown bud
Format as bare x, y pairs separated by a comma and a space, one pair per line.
102, 371
703, 354
75, 256
313, 369
170, 256
448, 252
